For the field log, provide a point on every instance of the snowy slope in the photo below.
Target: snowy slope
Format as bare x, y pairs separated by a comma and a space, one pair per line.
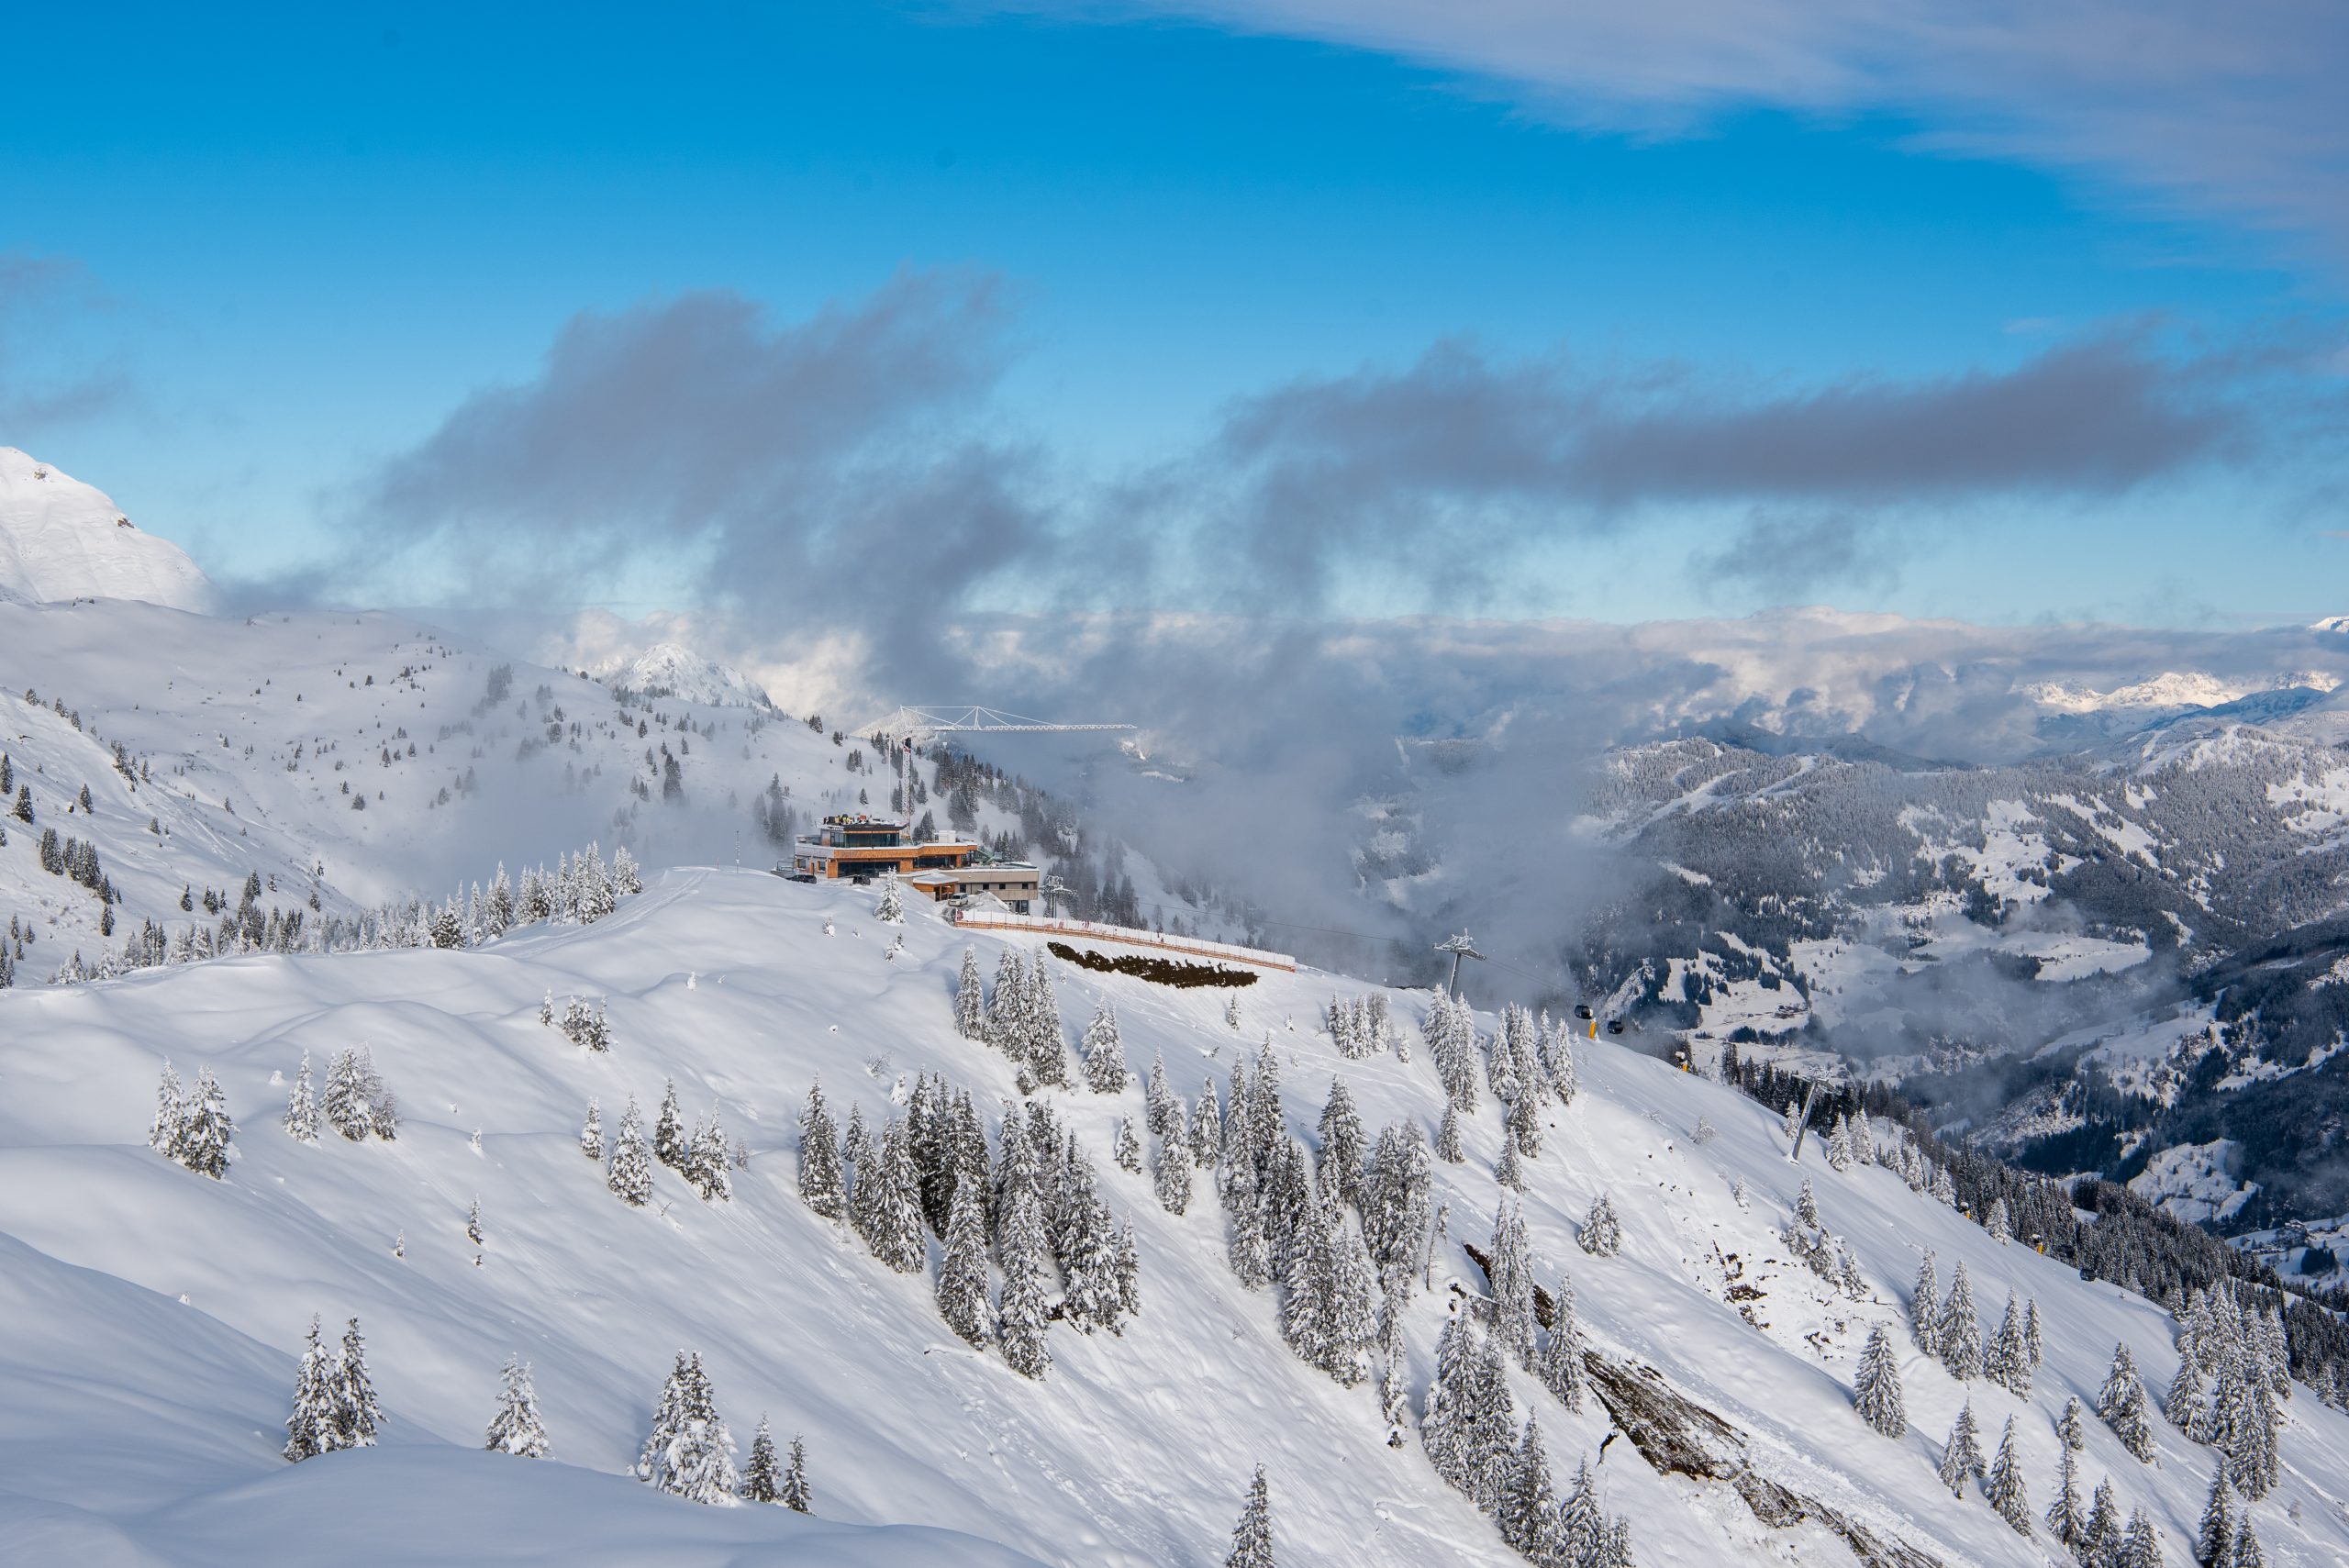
252, 738
193, 1294
62, 539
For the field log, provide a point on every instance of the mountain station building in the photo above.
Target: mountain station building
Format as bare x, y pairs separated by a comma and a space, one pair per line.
860, 848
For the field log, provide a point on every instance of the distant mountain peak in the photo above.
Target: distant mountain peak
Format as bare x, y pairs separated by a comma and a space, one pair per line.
62, 539
666, 670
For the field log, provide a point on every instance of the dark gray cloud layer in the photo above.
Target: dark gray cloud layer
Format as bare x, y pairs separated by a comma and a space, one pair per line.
743, 458
1487, 456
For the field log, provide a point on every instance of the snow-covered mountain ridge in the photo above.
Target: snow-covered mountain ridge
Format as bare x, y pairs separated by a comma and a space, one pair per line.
188, 1297
666, 670
62, 540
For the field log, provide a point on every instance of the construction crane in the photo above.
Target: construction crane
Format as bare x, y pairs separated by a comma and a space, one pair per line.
971, 719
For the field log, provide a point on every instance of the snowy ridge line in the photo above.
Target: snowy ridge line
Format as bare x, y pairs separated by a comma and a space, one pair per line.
1005, 921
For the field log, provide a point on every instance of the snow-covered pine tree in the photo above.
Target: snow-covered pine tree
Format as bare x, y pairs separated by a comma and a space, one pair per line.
1601, 1234
1287, 1187
472, 1223
1558, 1364
1046, 1050
1958, 1333
1962, 1456
1394, 1376
1251, 1249
1172, 1175
1231, 1009
2072, 1425
1125, 1148
311, 1430
2245, 1424
890, 910
1395, 1210
163, 1134
1530, 1519
1925, 1309
515, 1429
1447, 1137
1105, 1054
1509, 1269
2248, 1553
1252, 1538
1027, 1258
1007, 1004
1582, 1532
2185, 1405
1468, 1425
1207, 1129
889, 1198
762, 1476
668, 1145
963, 1273
2141, 1543
1839, 1145
350, 1097
1875, 1393
207, 1133
1509, 1174
1996, 1223
2006, 1489
1162, 1108
2063, 1517
1791, 1124
2120, 1403
1342, 1144
2099, 1538
591, 1132
629, 1176
301, 1119
821, 1186
708, 1162
970, 999
356, 1413
2004, 1361
796, 1495
2214, 1541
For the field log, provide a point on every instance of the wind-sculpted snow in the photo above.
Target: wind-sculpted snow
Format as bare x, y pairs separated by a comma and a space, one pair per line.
150, 1318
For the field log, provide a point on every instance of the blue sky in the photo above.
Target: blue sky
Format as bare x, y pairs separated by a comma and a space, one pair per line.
279, 253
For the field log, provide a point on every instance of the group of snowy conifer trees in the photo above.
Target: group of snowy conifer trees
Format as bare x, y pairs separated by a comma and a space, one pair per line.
1948, 1328
1469, 1423
2240, 1350
192, 1127
582, 888
704, 1157
690, 1454
1035, 1210
1359, 1024
1526, 1061
334, 1399
1019, 1017
688, 1451
585, 1027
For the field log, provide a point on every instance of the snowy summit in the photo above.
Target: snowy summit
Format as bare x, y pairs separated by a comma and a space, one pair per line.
62, 540
666, 670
